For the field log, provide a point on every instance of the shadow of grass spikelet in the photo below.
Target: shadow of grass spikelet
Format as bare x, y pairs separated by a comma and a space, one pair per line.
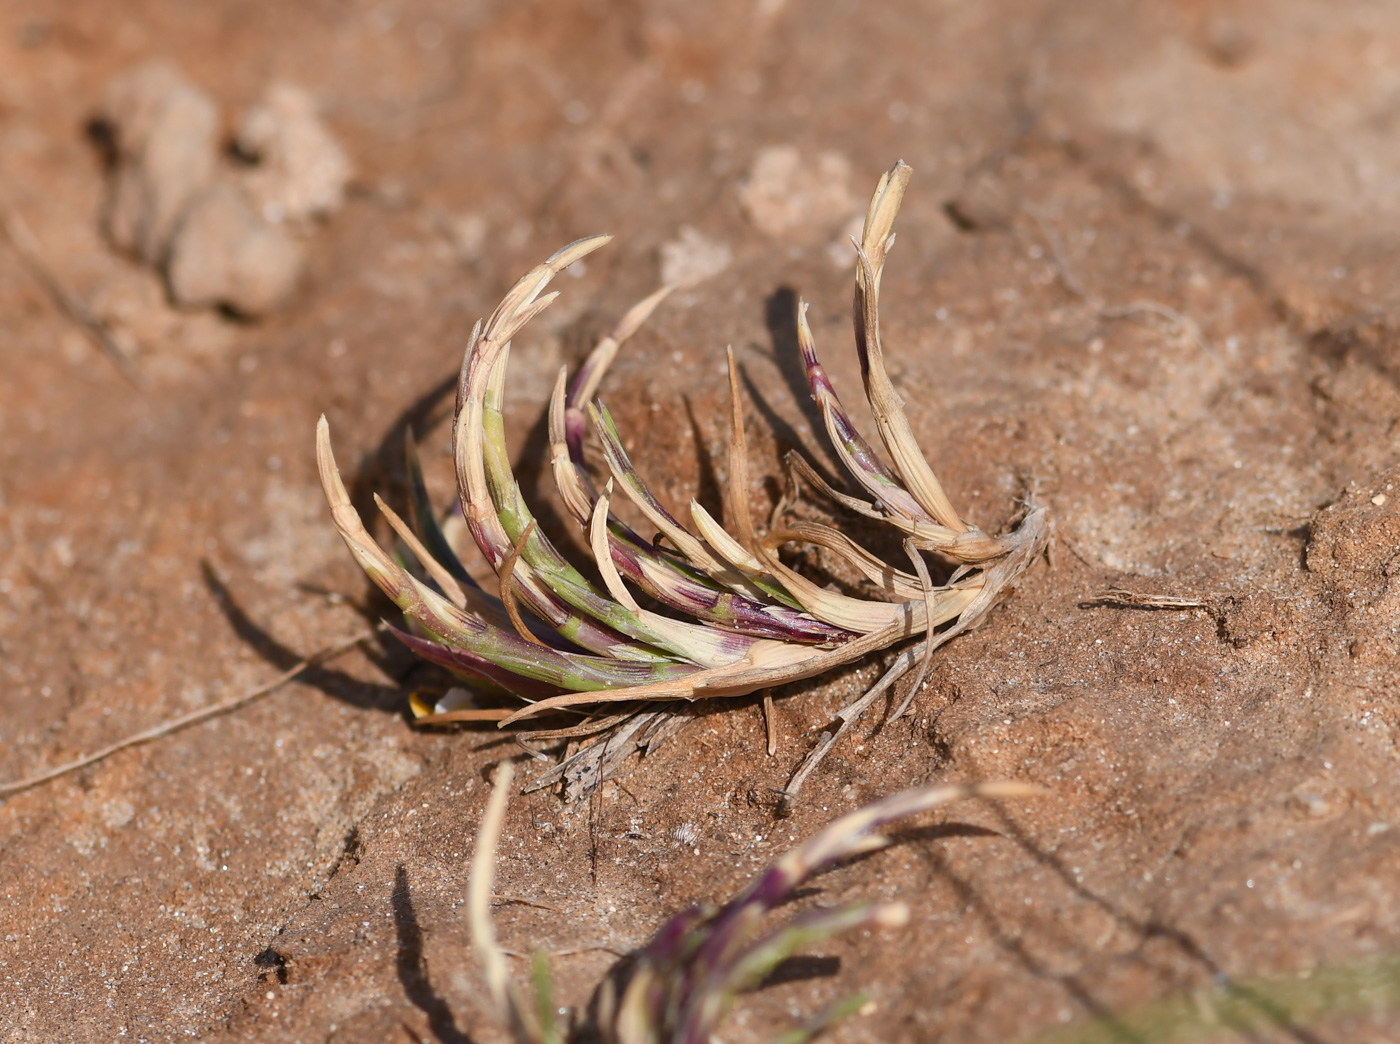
731, 617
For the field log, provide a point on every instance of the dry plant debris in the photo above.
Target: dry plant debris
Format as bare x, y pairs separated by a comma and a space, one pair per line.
753, 622
166, 728
679, 986
16, 232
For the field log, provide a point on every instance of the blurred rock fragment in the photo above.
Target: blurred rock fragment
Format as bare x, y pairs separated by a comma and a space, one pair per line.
225, 234
692, 258
300, 171
789, 198
227, 254
164, 135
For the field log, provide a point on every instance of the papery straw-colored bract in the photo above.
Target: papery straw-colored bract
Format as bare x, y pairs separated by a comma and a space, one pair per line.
727, 617
677, 988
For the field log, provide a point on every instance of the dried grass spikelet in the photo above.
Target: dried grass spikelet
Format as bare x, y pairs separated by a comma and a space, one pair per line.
731, 618
679, 986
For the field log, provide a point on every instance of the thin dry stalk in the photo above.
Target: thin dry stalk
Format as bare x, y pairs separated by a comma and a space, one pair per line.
1122, 598
770, 722
489, 956
330, 652
17, 233
1178, 320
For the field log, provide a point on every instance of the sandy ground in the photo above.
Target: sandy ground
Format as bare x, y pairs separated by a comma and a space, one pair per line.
1144, 270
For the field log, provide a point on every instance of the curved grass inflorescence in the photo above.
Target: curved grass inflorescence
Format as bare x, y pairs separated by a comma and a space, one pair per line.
679, 986
729, 617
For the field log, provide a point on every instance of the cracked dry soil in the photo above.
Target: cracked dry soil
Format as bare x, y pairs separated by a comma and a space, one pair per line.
1145, 268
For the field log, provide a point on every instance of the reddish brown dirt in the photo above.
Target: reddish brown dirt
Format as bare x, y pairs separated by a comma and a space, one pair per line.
1226, 798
